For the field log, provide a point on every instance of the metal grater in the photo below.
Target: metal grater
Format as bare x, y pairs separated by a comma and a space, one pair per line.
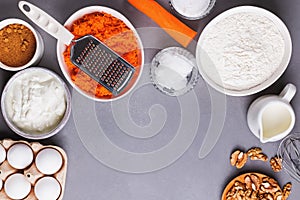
101, 63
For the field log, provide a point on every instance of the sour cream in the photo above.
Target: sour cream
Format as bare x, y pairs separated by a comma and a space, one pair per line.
35, 101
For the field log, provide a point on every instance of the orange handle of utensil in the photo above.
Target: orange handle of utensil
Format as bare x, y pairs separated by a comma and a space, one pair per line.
175, 28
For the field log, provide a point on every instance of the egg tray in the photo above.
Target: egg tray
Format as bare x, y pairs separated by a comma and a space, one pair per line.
31, 172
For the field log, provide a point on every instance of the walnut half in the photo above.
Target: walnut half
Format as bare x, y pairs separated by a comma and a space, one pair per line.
286, 191
255, 153
238, 159
276, 164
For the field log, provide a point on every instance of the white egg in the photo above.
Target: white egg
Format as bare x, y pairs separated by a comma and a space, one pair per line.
47, 188
2, 154
20, 156
17, 186
48, 161
1, 184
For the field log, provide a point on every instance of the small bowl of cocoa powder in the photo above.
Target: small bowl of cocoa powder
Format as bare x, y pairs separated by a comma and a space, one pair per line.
21, 46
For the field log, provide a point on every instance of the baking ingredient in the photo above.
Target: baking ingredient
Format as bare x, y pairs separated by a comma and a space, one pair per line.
35, 101
191, 8
115, 34
238, 159
17, 186
31, 174
47, 188
242, 50
253, 186
276, 119
48, 161
2, 154
17, 44
19, 156
256, 153
174, 27
276, 164
1, 184
173, 70
286, 191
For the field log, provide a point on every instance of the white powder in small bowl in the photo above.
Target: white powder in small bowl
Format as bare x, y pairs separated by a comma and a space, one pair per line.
242, 51
191, 8
173, 71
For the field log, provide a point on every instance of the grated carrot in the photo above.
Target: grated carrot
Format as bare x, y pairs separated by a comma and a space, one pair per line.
115, 34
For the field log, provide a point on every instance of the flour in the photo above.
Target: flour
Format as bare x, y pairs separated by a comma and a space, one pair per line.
245, 49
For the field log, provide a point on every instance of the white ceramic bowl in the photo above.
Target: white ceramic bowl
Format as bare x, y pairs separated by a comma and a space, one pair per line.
39, 44
280, 70
61, 48
182, 13
43, 135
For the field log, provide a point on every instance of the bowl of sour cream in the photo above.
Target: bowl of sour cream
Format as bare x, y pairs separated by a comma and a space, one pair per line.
36, 103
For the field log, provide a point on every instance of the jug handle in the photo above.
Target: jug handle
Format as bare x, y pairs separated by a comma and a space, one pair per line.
288, 92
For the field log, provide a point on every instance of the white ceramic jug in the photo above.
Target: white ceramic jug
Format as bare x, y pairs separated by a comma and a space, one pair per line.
271, 117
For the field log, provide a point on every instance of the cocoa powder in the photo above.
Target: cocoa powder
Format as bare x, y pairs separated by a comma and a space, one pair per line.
17, 44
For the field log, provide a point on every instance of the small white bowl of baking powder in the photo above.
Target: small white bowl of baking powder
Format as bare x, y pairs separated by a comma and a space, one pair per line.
243, 50
174, 71
36, 103
192, 9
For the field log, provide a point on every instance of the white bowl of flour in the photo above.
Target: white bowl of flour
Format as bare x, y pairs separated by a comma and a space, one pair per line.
243, 50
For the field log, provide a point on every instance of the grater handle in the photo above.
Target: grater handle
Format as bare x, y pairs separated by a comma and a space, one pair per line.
46, 22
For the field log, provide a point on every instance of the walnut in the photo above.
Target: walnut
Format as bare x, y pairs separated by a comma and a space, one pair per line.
255, 153
256, 187
238, 159
278, 195
276, 164
234, 157
269, 185
239, 186
268, 188
240, 194
256, 181
266, 196
248, 182
273, 182
286, 191
248, 193
234, 192
254, 195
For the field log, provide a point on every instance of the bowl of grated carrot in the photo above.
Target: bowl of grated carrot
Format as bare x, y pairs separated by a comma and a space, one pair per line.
115, 31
